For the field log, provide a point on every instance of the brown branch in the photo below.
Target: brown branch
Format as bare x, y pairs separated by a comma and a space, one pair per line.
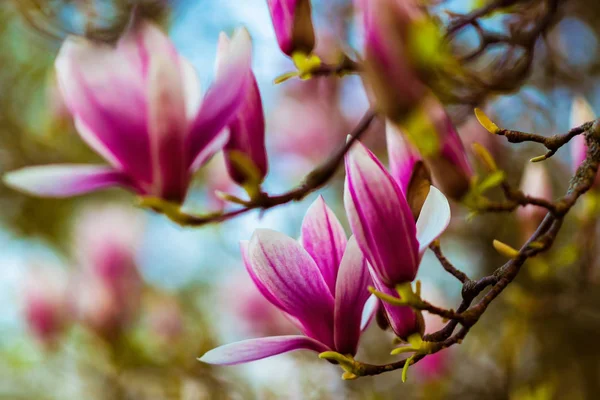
541, 240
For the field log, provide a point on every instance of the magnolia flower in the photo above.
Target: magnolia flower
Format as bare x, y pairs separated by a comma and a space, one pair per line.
320, 284
382, 221
293, 25
536, 183
408, 169
386, 231
581, 112
391, 73
246, 130
110, 286
46, 304
139, 106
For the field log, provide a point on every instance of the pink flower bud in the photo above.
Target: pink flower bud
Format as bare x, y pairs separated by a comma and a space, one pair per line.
449, 166
293, 25
391, 73
46, 305
246, 130
536, 183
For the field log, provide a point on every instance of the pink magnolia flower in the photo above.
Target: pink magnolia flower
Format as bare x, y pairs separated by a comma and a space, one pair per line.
535, 182
581, 112
320, 284
139, 106
293, 25
385, 229
390, 72
46, 305
110, 286
247, 128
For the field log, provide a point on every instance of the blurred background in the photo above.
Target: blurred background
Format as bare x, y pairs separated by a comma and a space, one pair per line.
102, 300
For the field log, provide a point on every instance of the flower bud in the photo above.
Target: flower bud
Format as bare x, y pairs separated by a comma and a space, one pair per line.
245, 153
449, 165
536, 183
293, 25
395, 61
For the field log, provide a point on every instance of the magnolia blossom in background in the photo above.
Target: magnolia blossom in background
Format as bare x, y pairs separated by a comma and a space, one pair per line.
292, 21
535, 182
391, 74
581, 112
320, 283
449, 165
139, 106
109, 287
385, 228
253, 313
45, 304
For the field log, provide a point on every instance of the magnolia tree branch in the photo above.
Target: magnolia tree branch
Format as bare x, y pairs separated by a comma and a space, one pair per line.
542, 239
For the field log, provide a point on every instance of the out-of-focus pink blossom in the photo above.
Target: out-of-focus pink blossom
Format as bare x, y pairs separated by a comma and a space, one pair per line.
581, 112
535, 182
109, 287
391, 73
165, 319
45, 304
139, 106
293, 25
449, 165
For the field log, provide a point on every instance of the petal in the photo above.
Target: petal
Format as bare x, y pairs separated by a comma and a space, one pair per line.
351, 294
402, 157
323, 237
369, 312
224, 97
108, 101
402, 320
434, 219
191, 88
380, 218
288, 272
64, 180
167, 126
261, 287
210, 149
257, 349
247, 136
